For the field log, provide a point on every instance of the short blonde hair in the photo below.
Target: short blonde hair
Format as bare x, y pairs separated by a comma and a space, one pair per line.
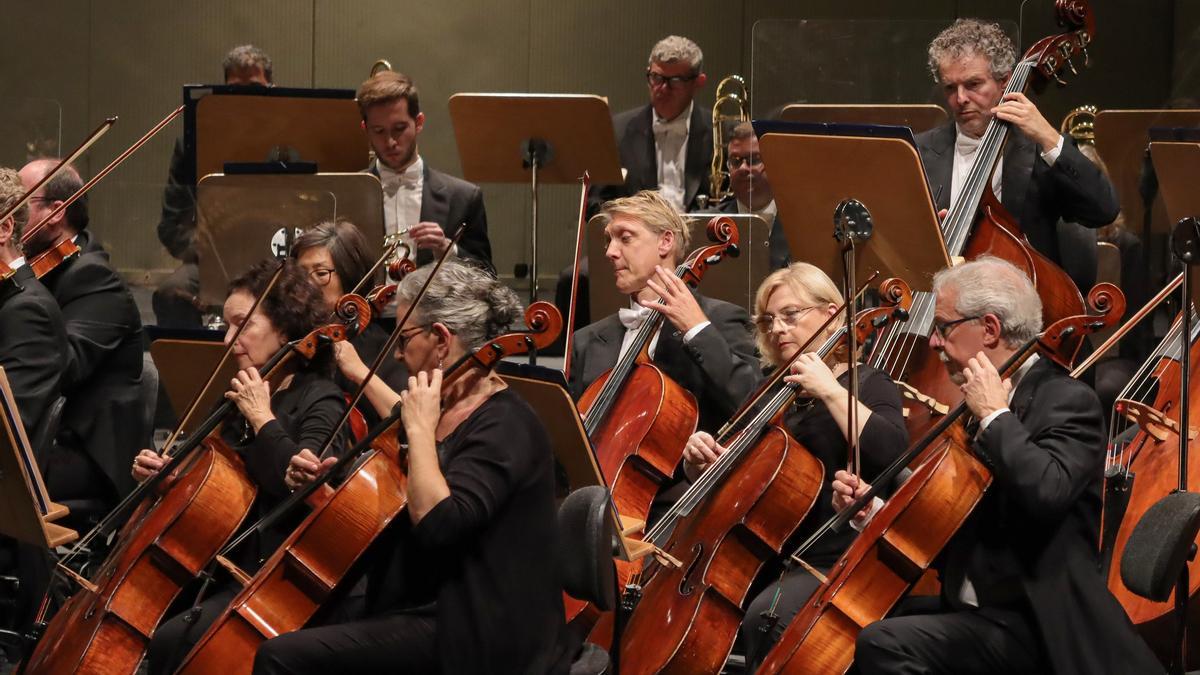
656, 213
11, 190
812, 286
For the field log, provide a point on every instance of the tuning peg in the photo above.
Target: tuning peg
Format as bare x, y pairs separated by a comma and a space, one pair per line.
1071, 66
1061, 82
1087, 59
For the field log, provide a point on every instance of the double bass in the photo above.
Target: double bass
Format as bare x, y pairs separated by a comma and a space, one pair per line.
977, 224
734, 518
902, 539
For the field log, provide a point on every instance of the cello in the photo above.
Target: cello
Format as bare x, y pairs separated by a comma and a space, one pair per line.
736, 517
902, 539
637, 418
977, 224
305, 571
184, 514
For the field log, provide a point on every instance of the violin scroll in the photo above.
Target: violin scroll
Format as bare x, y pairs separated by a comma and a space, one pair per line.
1062, 340
895, 298
722, 230
354, 312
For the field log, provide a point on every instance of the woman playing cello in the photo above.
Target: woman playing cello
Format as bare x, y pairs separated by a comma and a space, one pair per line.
271, 425
466, 581
791, 304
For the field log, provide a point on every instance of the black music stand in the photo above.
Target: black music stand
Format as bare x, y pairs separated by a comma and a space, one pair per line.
535, 139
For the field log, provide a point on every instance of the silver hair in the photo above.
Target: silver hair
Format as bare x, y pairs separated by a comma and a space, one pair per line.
968, 37
675, 48
989, 285
248, 56
466, 299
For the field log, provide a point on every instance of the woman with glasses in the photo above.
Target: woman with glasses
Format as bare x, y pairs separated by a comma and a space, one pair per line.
790, 306
337, 258
465, 579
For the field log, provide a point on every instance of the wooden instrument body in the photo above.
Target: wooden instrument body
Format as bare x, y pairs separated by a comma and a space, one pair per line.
1155, 466
688, 617
305, 570
107, 630
885, 561
45, 262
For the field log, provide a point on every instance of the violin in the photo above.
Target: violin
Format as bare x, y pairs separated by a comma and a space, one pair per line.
734, 518
184, 515
637, 418
305, 571
903, 538
977, 224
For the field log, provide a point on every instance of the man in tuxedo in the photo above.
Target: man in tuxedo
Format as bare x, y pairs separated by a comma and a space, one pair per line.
1041, 177
102, 426
33, 339
1021, 584
422, 203
175, 300
705, 345
751, 189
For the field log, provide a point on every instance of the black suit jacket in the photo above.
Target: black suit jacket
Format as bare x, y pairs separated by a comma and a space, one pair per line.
1037, 526
33, 345
718, 366
635, 142
449, 202
780, 254
103, 365
1039, 196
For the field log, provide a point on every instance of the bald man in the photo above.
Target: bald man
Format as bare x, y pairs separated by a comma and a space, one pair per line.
102, 427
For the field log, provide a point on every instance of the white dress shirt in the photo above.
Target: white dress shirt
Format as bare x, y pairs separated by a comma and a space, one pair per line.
402, 197
965, 148
636, 315
670, 152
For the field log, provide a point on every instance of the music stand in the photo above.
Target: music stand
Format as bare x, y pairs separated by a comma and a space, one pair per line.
813, 174
184, 367
26, 512
545, 390
918, 117
242, 219
535, 139
734, 280
1177, 165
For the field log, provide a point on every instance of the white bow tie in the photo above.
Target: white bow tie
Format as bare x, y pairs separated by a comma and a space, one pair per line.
676, 127
392, 181
633, 319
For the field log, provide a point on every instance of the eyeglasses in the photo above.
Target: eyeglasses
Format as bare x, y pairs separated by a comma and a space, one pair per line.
408, 333
735, 162
673, 81
942, 328
321, 275
790, 316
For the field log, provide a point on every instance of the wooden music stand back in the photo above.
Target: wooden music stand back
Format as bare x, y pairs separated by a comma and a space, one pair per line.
1121, 140
812, 174
1177, 166
26, 512
918, 117
183, 367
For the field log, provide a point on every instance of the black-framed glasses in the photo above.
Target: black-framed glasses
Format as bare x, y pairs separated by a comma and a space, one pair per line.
408, 333
735, 162
321, 275
790, 316
673, 81
943, 328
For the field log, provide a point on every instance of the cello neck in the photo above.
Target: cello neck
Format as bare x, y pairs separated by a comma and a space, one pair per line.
961, 217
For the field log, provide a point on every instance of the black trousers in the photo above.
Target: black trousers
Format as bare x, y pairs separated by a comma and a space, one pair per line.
933, 638
395, 643
760, 633
176, 636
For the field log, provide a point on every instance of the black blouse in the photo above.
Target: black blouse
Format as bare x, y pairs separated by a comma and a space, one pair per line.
486, 554
883, 439
305, 413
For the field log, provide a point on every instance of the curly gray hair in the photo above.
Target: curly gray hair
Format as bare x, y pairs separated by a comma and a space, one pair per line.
248, 56
989, 285
467, 300
967, 37
675, 48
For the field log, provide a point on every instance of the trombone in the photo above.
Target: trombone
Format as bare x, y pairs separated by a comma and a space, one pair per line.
731, 107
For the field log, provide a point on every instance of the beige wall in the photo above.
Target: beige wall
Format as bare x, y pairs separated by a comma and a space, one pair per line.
129, 58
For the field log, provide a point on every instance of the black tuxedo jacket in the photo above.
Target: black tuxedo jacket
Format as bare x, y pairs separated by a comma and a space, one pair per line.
449, 202
635, 142
1036, 528
1039, 196
780, 254
103, 366
718, 366
33, 345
